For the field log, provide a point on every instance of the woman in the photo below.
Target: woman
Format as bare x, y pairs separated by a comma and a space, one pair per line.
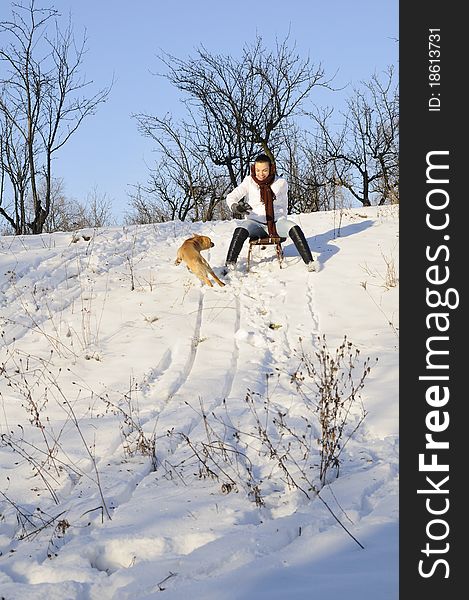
263, 198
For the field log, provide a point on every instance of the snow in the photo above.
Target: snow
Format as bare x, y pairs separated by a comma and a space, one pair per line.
119, 368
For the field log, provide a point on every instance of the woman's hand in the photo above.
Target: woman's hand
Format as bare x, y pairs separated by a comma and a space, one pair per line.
240, 209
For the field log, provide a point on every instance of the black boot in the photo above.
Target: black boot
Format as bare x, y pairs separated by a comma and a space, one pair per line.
239, 237
298, 238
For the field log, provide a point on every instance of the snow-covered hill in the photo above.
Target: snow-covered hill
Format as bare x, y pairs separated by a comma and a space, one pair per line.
159, 437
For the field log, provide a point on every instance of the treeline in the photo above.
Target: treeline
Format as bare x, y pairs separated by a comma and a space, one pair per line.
263, 101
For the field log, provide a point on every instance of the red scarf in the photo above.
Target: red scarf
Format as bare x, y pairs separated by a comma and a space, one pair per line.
267, 198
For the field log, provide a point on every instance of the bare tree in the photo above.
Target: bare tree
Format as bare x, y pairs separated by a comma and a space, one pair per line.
67, 214
181, 169
384, 136
280, 82
240, 104
41, 93
97, 210
183, 179
159, 200
236, 108
364, 151
145, 209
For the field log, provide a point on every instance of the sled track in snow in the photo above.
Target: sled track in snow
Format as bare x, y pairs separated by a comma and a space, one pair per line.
125, 494
186, 371
252, 303
230, 375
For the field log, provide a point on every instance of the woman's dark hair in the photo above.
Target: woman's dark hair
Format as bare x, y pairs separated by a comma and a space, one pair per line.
263, 158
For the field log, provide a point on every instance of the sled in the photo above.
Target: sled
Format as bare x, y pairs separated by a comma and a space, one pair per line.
263, 243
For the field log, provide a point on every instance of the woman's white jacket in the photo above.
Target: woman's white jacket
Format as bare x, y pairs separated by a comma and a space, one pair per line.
250, 191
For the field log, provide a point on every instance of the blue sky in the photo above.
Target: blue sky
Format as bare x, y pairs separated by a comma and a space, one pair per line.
107, 154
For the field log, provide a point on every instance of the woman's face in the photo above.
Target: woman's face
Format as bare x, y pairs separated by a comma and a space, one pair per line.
262, 170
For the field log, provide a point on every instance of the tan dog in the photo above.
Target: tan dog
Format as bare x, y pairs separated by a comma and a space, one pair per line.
189, 252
